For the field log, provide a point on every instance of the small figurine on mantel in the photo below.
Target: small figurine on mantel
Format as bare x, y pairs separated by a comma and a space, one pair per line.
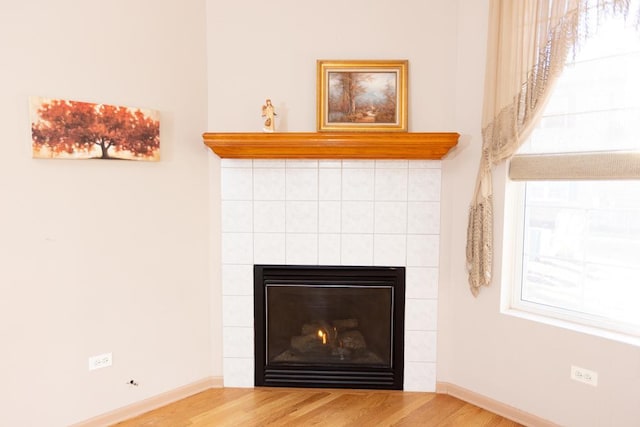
269, 112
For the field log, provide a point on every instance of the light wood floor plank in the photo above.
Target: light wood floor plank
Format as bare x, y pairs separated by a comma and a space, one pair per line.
280, 407
401, 406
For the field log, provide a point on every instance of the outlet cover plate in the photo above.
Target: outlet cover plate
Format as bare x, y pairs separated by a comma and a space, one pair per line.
100, 361
585, 376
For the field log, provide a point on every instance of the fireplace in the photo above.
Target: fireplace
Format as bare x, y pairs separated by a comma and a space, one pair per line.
330, 212
329, 326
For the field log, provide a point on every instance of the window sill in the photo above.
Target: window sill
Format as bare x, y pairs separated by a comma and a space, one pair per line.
572, 326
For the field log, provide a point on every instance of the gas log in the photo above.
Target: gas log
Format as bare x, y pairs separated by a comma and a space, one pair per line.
338, 337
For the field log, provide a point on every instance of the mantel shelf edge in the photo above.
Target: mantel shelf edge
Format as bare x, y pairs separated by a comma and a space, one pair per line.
332, 145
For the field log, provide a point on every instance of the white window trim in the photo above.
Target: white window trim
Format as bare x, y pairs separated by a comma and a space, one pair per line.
511, 303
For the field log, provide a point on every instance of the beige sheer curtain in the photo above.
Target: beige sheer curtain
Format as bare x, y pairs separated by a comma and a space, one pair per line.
529, 43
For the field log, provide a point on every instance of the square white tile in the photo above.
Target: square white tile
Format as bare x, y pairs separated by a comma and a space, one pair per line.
424, 185
334, 164
420, 346
391, 184
422, 282
302, 249
238, 342
420, 377
424, 218
421, 314
392, 164
237, 248
330, 184
269, 163
236, 183
357, 249
237, 279
329, 217
358, 164
238, 372
390, 249
302, 184
390, 217
423, 250
269, 216
329, 249
425, 164
358, 184
308, 164
357, 217
269, 248
237, 311
236, 163
268, 184
237, 216
302, 217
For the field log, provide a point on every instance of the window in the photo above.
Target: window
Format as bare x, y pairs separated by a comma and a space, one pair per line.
577, 239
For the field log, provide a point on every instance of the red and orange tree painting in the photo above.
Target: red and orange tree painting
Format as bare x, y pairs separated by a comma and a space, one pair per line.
81, 130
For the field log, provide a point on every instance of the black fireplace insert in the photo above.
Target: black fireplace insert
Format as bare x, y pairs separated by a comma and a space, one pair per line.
329, 326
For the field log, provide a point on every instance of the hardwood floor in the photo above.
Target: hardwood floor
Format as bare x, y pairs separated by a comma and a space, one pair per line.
317, 407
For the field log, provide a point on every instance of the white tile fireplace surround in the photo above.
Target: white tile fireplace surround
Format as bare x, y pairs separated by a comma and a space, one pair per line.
331, 212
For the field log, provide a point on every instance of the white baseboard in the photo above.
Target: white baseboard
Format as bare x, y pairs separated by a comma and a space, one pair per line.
151, 403
492, 405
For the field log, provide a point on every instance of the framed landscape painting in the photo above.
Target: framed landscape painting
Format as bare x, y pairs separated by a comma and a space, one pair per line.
368, 95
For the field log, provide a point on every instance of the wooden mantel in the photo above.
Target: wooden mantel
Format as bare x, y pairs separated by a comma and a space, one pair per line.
331, 145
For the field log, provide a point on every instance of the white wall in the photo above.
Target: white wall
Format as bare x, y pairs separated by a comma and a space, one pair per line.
259, 50
102, 256
515, 361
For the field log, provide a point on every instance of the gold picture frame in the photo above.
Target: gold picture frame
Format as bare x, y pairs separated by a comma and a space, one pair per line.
365, 95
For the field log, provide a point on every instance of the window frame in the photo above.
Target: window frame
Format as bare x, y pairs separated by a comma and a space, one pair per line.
512, 280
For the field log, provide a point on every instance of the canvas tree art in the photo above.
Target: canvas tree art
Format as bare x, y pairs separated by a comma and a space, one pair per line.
62, 129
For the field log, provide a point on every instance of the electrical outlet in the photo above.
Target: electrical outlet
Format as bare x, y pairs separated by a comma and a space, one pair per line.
584, 376
100, 361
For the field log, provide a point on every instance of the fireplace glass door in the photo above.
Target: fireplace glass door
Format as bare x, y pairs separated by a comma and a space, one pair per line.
329, 326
